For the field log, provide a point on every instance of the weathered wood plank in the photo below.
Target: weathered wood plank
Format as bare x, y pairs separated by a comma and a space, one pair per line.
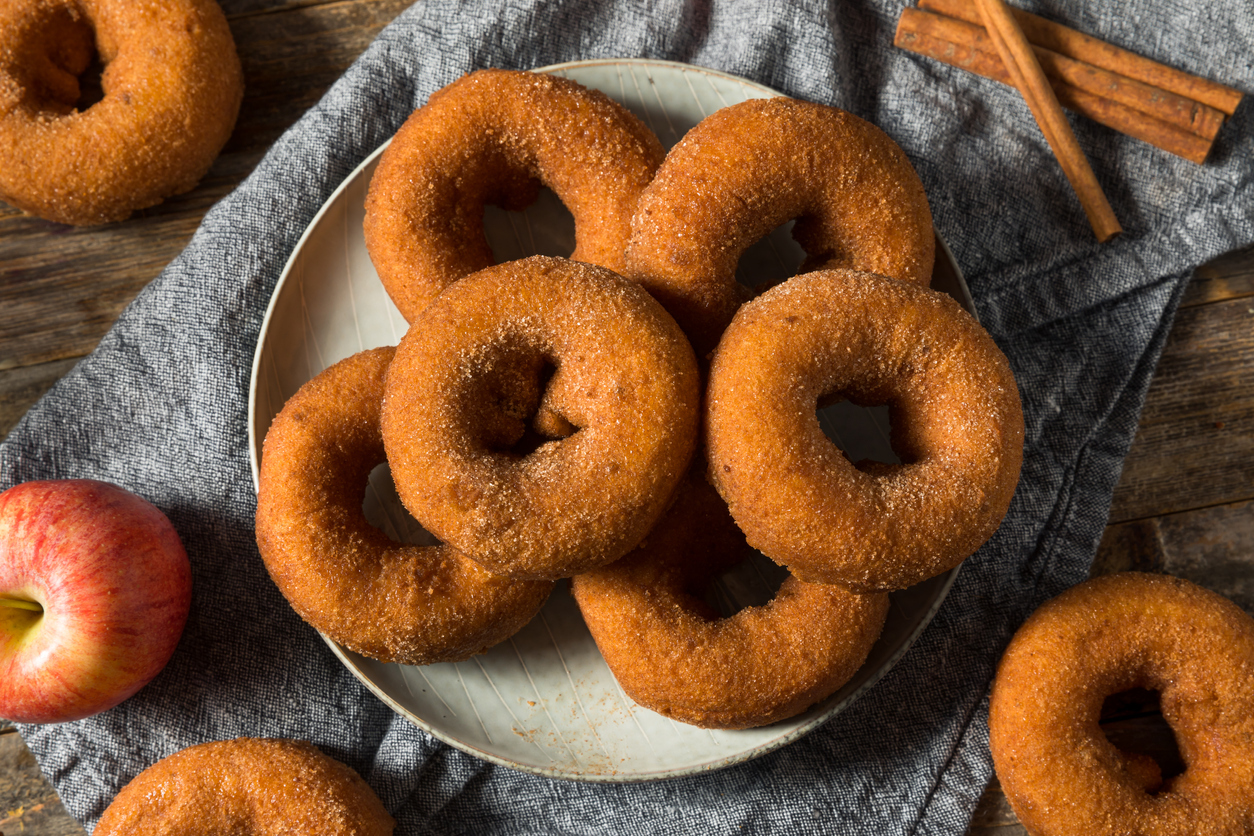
28, 804
993, 815
1195, 444
239, 8
290, 60
1213, 547
65, 286
1230, 276
20, 388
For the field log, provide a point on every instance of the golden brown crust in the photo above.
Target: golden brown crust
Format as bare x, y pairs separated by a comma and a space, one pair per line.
956, 422
750, 167
1107, 635
414, 605
671, 653
172, 89
488, 138
247, 786
468, 374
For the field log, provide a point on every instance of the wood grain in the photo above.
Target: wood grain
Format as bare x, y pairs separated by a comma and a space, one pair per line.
1195, 443
28, 804
21, 387
1230, 276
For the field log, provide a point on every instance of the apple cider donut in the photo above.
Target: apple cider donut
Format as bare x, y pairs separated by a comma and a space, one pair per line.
673, 654
748, 168
1112, 634
247, 786
614, 430
493, 137
415, 605
172, 87
957, 428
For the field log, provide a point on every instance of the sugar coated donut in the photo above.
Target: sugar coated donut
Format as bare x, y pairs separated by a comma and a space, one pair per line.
672, 653
247, 786
1111, 634
748, 168
172, 88
956, 422
391, 601
492, 137
614, 429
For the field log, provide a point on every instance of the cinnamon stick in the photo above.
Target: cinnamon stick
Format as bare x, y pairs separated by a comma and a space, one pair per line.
1018, 58
1203, 120
1165, 120
1080, 47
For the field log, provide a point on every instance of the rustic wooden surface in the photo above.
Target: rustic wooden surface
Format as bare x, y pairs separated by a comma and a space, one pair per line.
1185, 504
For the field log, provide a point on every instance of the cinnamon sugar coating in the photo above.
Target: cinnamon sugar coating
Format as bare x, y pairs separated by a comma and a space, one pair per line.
415, 605
957, 427
614, 426
250, 787
673, 654
748, 168
1110, 634
172, 87
494, 136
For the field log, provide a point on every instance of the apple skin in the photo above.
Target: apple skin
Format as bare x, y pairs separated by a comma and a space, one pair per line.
115, 586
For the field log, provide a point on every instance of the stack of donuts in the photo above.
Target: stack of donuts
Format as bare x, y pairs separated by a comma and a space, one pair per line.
632, 417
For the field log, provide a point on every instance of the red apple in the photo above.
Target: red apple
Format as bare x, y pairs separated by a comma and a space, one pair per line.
94, 592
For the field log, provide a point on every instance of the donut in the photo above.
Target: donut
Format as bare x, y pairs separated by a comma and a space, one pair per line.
391, 601
248, 786
1112, 634
672, 653
613, 386
494, 136
750, 167
172, 87
957, 428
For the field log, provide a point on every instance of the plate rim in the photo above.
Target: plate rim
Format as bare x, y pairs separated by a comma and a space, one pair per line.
612, 777
607, 777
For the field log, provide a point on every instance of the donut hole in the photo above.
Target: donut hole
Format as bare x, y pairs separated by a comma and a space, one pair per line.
544, 424
545, 227
752, 582
697, 551
862, 433
771, 259
52, 58
383, 510
508, 400
1132, 721
91, 85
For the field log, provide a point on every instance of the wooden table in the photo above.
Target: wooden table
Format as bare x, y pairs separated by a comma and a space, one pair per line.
1183, 505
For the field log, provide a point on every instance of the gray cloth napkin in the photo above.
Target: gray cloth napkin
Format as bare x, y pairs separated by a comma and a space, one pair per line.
160, 406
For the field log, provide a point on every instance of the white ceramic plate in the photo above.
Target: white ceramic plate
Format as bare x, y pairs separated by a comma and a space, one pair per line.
544, 701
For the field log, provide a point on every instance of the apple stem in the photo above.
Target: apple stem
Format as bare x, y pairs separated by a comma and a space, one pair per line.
19, 604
